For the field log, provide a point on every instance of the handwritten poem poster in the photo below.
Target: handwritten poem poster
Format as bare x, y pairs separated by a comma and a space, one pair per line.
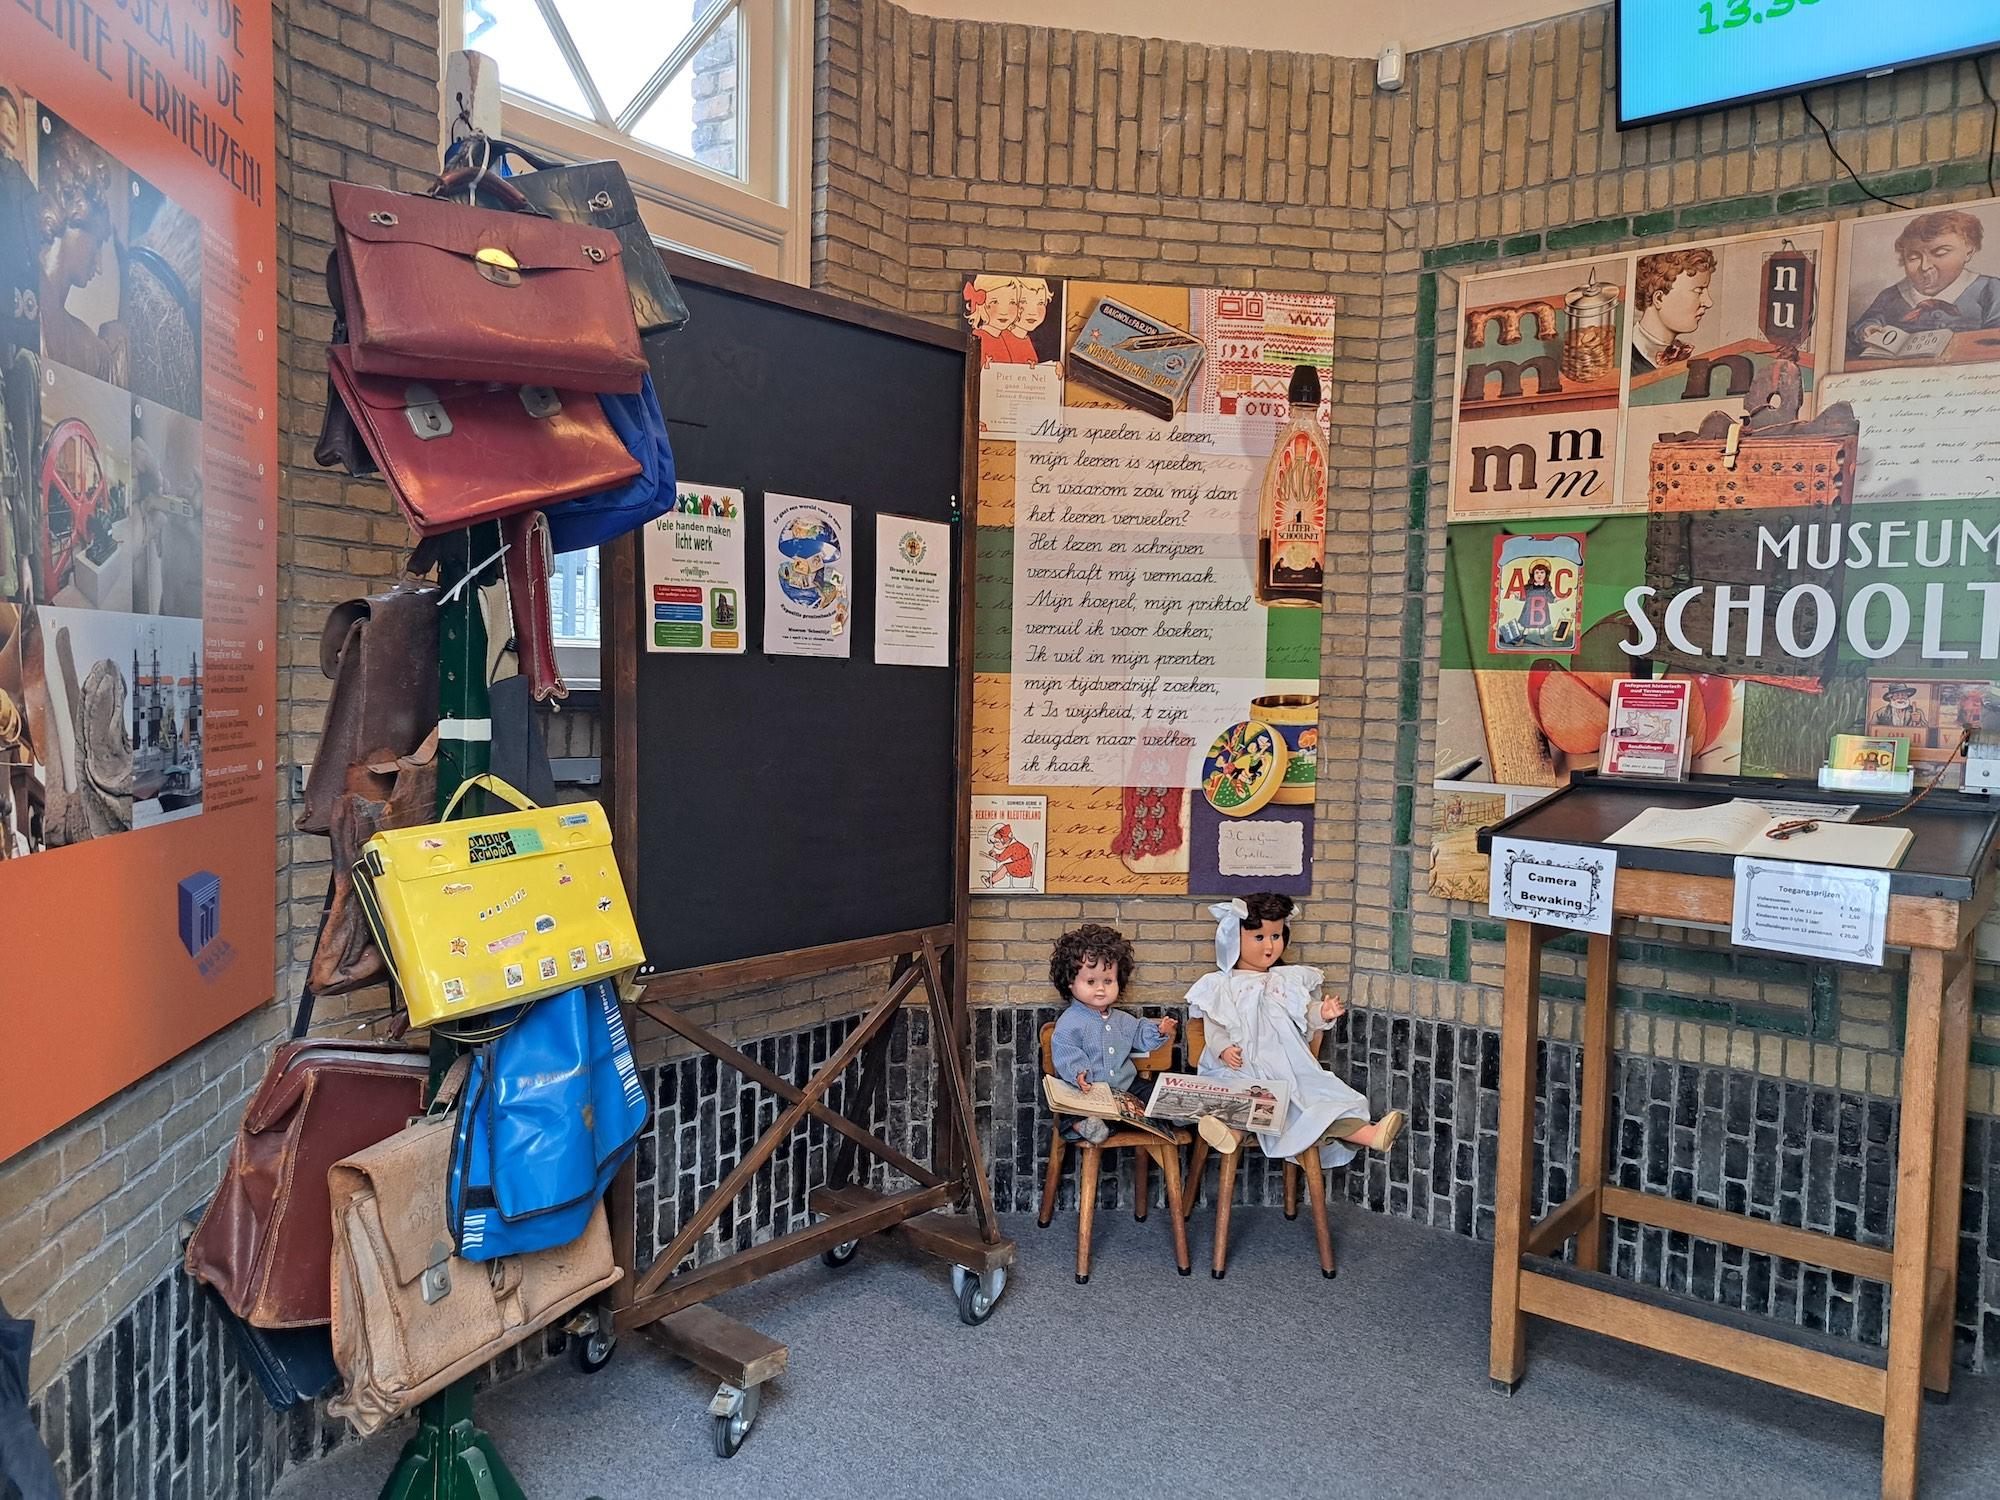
1137, 635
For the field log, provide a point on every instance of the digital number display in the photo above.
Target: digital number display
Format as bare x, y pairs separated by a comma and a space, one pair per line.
1679, 56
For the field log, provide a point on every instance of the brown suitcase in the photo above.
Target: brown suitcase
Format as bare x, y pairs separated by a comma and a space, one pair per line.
266, 1241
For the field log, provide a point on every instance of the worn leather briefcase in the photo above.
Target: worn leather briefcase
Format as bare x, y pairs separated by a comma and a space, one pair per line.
597, 192
398, 793
458, 453
409, 1316
382, 655
438, 291
265, 1242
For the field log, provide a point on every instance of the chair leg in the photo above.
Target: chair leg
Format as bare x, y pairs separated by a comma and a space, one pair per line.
1191, 1190
1225, 1190
1316, 1198
1086, 1207
1142, 1159
1056, 1147
1170, 1166
1291, 1190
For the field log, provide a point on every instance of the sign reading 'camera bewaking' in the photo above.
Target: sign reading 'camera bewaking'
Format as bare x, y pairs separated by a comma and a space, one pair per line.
1557, 885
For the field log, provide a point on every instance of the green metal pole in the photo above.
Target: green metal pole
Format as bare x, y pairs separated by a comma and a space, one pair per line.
449, 1458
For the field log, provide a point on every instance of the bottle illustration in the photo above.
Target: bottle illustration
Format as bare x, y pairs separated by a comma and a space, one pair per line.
1291, 531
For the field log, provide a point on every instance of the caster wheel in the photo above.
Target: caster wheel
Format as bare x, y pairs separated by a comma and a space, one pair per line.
592, 1351
729, 1434
975, 1304
839, 1255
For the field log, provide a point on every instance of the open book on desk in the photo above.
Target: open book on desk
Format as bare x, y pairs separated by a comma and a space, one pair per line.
1744, 827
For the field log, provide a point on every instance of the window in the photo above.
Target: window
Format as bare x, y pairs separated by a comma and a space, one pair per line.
706, 104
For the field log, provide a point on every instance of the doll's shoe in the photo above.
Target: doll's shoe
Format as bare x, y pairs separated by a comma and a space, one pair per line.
1388, 1128
1218, 1135
1092, 1129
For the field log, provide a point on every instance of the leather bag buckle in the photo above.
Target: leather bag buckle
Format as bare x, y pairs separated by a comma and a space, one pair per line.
497, 266
540, 400
425, 413
435, 1284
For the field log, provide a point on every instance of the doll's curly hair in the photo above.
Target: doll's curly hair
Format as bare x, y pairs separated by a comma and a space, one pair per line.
1079, 945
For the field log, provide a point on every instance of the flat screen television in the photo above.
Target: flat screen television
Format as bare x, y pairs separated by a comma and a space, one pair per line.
1681, 57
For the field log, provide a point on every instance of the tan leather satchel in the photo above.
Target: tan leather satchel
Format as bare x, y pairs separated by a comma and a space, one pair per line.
409, 1316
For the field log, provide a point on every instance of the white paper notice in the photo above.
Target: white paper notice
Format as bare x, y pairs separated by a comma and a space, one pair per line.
808, 563
1016, 400
1558, 885
1817, 911
912, 599
1924, 432
695, 572
1138, 637
1254, 850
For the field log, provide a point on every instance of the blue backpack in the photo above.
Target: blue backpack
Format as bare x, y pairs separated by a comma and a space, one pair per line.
590, 519
549, 1111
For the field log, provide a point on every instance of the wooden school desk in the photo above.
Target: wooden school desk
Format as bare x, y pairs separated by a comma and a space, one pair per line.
1938, 895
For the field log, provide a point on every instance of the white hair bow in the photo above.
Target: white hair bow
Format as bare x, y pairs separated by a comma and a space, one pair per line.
1229, 917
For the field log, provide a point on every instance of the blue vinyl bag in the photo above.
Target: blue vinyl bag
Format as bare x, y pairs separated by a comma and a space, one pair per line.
549, 1111
591, 519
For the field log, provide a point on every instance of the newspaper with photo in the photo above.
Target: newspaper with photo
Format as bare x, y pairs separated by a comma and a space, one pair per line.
1255, 1104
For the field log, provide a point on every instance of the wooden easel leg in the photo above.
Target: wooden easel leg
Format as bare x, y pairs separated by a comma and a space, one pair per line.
870, 1089
953, 1087
1191, 1189
1315, 1176
1594, 1089
1056, 1148
1916, 1180
1142, 1188
1291, 1190
1170, 1165
1086, 1207
1955, 1042
1225, 1192
1508, 1357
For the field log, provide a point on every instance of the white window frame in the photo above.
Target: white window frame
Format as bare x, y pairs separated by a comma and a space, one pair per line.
761, 222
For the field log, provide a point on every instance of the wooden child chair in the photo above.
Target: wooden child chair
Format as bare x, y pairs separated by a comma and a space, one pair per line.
1166, 1150
1195, 1035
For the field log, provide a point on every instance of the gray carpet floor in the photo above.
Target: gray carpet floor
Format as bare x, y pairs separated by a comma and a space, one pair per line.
1273, 1382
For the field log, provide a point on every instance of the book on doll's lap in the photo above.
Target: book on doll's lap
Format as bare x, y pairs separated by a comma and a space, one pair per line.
1252, 1104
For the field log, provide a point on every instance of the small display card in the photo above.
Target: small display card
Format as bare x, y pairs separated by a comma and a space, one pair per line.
1817, 911
1558, 885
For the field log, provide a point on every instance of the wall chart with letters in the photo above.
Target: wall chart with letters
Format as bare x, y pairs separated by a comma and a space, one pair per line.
1769, 464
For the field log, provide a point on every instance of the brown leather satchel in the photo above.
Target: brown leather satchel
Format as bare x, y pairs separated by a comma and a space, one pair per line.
382, 792
437, 291
529, 562
265, 1243
409, 1316
458, 453
382, 654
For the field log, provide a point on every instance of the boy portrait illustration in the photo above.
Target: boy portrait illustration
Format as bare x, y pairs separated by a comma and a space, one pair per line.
1670, 297
1939, 290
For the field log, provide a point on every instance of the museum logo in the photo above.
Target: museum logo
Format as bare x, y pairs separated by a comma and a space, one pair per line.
200, 896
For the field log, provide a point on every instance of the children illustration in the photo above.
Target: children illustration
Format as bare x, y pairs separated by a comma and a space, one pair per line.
1013, 861
1259, 1014
1003, 311
1096, 1043
1939, 289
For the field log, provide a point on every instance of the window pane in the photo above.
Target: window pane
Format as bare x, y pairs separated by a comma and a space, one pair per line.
624, 45
697, 115
573, 596
514, 35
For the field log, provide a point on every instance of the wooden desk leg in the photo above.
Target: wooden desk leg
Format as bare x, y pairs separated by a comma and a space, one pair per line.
1521, 1000
1593, 1090
1916, 1167
1955, 1043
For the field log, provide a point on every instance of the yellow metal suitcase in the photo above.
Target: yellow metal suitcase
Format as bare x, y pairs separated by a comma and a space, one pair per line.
489, 912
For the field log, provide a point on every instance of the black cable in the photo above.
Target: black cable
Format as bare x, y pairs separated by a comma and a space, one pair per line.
1843, 160
1993, 138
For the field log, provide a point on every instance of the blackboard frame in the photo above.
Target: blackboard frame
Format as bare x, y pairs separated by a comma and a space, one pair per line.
621, 653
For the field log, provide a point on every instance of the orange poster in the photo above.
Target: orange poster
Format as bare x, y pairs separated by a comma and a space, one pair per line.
138, 541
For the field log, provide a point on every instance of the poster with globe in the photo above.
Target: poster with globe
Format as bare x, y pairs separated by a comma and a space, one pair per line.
809, 576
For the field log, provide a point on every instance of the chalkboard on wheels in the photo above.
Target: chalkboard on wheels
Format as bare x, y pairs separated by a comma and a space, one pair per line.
781, 815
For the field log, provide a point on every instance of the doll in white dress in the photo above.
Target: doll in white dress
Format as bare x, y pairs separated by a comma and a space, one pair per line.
1259, 1014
